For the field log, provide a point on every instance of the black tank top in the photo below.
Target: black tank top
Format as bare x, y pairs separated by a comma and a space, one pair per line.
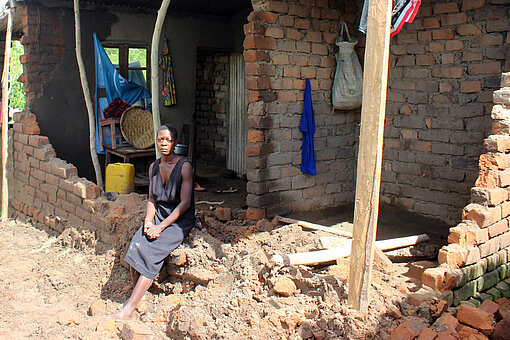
168, 196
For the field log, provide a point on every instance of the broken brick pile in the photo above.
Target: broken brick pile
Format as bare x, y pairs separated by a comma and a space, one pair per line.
477, 257
48, 190
490, 320
443, 70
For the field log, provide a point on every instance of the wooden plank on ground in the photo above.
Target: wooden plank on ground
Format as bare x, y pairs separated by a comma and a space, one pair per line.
368, 177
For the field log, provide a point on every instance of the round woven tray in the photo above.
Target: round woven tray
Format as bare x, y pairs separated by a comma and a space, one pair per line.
137, 127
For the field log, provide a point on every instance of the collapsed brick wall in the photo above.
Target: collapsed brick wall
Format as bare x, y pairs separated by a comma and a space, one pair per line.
48, 190
444, 67
211, 100
286, 42
478, 256
43, 45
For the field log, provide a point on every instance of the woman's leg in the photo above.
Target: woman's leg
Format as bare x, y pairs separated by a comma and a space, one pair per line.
126, 312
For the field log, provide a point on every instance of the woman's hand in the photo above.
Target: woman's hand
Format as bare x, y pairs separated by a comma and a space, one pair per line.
146, 226
154, 230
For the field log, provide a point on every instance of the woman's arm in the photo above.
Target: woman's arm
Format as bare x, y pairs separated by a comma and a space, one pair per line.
151, 204
186, 192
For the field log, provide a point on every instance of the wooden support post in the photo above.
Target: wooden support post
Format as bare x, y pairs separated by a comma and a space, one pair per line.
5, 115
368, 180
156, 37
86, 95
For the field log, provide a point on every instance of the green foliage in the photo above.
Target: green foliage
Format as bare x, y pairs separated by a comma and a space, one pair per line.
17, 91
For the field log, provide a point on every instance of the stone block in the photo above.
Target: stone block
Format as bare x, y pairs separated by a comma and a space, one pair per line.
465, 292
488, 280
504, 289
495, 293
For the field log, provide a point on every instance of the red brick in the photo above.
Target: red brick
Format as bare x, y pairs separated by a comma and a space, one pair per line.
483, 216
223, 214
427, 334
294, 34
470, 86
442, 34
468, 29
498, 228
485, 68
277, 6
252, 56
31, 129
24, 117
435, 278
298, 10
425, 60
298, 84
319, 49
266, 17
476, 318
448, 320
302, 24
407, 330
287, 97
281, 59
254, 28
468, 5
257, 83
447, 7
300, 60
466, 332
471, 56
497, 143
259, 69
436, 47
44, 154
286, 21
454, 19
490, 307
255, 136
431, 23
282, 84
454, 45
274, 32
416, 269
262, 43
308, 72
330, 38
255, 214
448, 72
294, 72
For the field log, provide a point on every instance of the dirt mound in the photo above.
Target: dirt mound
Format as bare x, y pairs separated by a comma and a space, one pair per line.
216, 285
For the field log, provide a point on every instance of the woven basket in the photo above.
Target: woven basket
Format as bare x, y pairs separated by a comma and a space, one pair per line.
137, 127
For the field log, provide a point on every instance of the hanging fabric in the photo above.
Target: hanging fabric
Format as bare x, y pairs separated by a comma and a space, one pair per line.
348, 82
307, 126
403, 11
165, 63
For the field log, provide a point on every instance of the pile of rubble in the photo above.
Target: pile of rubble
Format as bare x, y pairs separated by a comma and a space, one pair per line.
491, 320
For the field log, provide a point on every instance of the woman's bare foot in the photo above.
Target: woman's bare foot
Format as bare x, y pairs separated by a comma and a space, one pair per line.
121, 315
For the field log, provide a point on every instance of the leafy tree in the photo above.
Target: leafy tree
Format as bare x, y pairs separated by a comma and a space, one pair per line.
17, 91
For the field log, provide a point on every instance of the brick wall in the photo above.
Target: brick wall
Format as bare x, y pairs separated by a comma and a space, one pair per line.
444, 68
48, 190
211, 100
478, 256
287, 42
43, 47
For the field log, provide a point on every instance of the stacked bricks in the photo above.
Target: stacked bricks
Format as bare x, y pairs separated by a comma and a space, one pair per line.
287, 42
43, 46
212, 92
444, 68
48, 190
477, 257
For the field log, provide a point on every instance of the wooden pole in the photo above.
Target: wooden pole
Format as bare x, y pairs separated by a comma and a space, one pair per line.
156, 37
86, 94
366, 209
5, 115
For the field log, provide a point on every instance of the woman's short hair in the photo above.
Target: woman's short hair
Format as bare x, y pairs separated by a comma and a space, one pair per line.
171, 128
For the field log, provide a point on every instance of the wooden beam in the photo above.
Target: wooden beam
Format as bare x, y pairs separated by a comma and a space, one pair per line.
156, 37
366, 209
314, 226
86, 95
5, 115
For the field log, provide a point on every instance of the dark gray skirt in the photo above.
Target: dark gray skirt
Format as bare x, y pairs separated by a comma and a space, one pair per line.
147, 256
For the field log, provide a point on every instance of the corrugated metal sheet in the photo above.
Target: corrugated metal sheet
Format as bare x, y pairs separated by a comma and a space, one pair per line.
237, 126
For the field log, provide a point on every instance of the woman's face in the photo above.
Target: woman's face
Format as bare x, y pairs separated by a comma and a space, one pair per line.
166, 142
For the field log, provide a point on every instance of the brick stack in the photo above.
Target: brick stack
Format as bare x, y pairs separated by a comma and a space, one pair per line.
444, 68
43, 46
478, 256
287, 42
211, 107
49, 191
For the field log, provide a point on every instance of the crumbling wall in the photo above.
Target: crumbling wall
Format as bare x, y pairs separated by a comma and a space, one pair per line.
287, 42
48, 190
444, 68
212, 90
478, 256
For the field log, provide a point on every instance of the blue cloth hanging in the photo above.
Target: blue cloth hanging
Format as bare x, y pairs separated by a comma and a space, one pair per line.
307, 126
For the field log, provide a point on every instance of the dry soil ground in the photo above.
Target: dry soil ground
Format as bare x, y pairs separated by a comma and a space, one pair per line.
217, 285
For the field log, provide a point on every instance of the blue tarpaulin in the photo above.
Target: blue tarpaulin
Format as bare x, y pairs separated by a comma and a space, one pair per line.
116, 86
307, 126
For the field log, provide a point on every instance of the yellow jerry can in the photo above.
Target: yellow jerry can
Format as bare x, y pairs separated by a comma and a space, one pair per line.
120, 177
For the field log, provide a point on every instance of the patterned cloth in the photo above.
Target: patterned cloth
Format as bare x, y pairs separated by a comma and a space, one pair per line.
116, 108
165, 63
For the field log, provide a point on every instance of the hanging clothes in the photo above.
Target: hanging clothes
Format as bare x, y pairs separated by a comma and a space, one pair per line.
307, 126
403, 11
165, 63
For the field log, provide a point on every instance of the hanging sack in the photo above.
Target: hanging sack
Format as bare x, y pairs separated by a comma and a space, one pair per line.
348, 84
